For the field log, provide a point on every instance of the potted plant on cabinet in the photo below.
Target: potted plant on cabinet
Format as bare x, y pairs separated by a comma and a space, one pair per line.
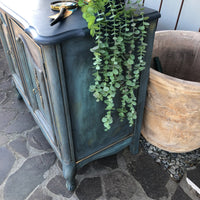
119, 34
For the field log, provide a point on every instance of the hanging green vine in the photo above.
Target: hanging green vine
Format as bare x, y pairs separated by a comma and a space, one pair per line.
119, 34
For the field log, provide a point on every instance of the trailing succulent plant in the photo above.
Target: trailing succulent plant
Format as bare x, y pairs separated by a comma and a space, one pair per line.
119, 33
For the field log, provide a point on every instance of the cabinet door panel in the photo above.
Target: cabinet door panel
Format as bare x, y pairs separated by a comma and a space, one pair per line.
35, 83
26, 76
8, 45
31, 67
39, 89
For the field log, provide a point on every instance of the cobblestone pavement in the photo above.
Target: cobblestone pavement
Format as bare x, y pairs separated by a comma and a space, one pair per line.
29, 169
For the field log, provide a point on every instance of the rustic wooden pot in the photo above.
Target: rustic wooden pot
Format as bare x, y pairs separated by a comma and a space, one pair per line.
172, 112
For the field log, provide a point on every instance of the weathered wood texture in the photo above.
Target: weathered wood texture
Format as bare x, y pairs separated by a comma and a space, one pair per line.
172, 112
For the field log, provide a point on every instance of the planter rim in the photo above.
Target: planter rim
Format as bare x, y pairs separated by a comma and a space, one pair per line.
171, 79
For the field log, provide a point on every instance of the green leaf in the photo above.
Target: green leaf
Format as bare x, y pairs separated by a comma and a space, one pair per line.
96, 95
92, 88
81, 3
109, 107
137, 32
146, 23
140, 19
117, 85
132, 56
97, 67
92, 32
113, 59
98, 78
130, 83
104, 119
134, 103
128, 76
106, 89
136, 72
121, 114
99, 19
120, 39
141, 68
134, 116
125, 97
115, 71
130, 61
141, 28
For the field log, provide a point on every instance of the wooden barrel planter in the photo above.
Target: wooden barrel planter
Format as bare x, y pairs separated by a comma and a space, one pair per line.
172, 112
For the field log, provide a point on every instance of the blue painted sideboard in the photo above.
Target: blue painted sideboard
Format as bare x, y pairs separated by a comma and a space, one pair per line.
51, 69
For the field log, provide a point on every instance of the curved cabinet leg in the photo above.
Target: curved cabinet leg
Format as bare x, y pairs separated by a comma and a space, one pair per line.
69, 171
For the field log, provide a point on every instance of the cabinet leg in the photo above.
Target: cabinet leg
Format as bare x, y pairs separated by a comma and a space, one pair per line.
69, 172
134, 148
135, 143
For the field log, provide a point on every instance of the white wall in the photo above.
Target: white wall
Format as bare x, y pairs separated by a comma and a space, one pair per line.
189, 17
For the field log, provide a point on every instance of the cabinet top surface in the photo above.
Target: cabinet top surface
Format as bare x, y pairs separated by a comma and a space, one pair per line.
33, 17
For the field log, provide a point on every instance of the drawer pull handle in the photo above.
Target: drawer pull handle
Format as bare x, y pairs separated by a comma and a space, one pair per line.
35, 90
10, 52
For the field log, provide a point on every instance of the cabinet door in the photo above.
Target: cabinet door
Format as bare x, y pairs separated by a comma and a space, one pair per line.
9, 49
25, 74
32, 74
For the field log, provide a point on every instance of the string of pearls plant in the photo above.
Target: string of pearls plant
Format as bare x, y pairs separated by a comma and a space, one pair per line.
119, 34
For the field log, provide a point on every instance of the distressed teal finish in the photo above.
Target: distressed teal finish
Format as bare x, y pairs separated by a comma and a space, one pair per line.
51, 68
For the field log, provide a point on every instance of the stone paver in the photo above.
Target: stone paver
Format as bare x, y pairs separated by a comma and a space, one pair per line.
180, 194
7, 160
19, 146
119, 185
37, 140
12, 103
3, 139
24, 180
107, 162
153, 179
83, 170
2, 97
6, 116
39, 195
89, 189
57, 186
6, 84
24, 121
